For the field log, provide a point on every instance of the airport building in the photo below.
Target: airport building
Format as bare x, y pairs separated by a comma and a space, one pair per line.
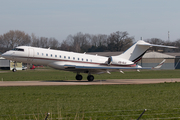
9, 65
177, 59
151, 59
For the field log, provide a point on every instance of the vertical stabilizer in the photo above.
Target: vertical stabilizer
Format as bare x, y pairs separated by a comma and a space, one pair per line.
136, 51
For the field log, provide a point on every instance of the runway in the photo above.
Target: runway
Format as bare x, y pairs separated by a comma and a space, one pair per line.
85, 82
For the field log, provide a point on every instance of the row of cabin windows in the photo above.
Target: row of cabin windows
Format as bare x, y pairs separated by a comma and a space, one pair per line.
64, 57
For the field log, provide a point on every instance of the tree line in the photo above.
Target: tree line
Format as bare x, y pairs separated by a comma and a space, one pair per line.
116, 41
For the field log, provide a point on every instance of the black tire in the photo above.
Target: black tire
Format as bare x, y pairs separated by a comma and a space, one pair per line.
14, 70
90, 77
79, 77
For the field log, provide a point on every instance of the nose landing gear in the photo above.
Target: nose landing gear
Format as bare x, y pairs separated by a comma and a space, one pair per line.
14, 69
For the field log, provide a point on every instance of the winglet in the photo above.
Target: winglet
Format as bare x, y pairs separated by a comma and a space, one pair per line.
160, 64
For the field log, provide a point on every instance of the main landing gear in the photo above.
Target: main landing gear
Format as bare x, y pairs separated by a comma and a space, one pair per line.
89, 77
79, 77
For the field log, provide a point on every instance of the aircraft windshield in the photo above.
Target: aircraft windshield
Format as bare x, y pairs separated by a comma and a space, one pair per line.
18, 49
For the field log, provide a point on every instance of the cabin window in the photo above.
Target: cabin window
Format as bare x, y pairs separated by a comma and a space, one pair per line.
64, 56
55, 55
18, 49
82, 59
78, 58
73, 58
91, 60
37, 53
51, 55
42, 54
87, 60
60, 56
68, 57
46, 54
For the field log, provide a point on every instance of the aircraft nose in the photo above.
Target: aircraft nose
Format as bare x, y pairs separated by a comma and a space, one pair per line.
6, 55
3, 55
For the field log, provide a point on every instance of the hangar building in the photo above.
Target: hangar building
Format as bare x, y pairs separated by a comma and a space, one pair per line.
151, 59
177, 59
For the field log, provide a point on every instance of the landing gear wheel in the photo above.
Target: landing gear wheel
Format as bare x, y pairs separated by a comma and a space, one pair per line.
90, 77
79, 77
14, 70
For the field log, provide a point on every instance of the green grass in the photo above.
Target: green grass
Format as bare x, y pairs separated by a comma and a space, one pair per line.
51, 74
99, 102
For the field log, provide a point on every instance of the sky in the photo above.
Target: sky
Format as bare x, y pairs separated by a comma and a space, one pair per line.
60, 18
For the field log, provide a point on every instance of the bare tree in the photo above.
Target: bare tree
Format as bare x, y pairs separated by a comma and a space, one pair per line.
85, 42
77, 43
119, 41
34, 40
53, 43
44, 42
99, 40
65, 46
156, 41
177, 44
14, 38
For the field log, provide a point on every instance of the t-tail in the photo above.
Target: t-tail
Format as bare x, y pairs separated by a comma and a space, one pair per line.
136, 51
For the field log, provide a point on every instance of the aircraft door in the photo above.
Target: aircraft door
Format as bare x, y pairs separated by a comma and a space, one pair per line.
30, 54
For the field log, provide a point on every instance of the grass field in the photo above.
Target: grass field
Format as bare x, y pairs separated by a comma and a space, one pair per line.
90, 102
97, 102
51, 74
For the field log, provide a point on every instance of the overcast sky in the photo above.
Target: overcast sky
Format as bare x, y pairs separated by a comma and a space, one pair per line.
60, 18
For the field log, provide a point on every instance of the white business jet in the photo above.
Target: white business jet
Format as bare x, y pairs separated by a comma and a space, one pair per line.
79, 62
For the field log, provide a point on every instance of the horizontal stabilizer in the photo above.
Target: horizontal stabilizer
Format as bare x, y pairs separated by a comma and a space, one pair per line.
160, 65
154, 45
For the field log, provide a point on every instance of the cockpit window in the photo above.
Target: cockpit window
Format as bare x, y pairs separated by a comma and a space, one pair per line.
18, 49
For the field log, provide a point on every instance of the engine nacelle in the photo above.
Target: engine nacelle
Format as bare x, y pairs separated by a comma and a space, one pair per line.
114, 60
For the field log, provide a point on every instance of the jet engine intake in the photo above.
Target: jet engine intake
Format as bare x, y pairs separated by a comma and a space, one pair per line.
116, 60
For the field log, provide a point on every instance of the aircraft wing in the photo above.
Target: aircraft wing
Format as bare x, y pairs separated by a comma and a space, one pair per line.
99, 69
106, 67
96, 69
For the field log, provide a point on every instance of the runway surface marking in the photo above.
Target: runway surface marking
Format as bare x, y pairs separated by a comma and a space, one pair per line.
85, 82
